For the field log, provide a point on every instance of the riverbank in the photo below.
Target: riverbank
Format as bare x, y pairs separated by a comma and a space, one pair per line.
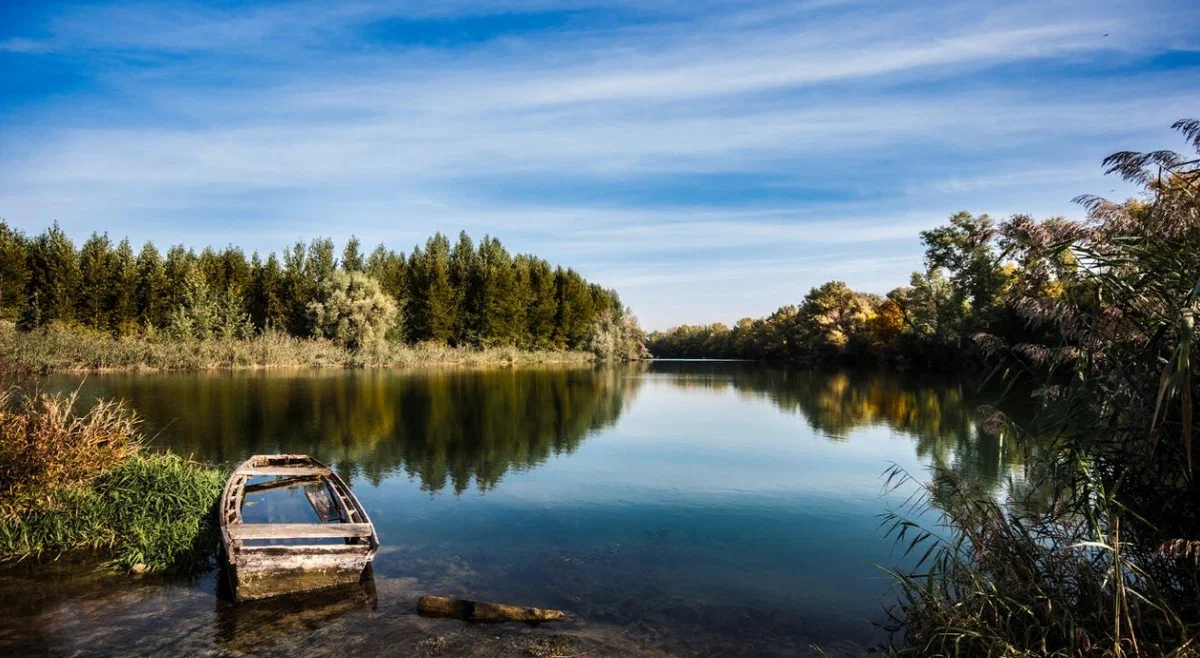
62, 349
73, 481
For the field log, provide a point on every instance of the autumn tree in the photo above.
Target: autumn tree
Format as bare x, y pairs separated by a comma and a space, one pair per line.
833, 315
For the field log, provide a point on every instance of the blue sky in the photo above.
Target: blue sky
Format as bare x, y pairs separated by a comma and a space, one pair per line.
710, 160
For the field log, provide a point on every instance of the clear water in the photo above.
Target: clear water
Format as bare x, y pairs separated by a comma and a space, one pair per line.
673, 508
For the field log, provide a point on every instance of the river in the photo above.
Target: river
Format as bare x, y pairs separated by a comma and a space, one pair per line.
672, 508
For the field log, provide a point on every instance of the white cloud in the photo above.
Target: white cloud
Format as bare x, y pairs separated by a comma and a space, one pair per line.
835, 127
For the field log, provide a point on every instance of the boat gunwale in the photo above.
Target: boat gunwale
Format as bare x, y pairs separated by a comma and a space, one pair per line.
233, 497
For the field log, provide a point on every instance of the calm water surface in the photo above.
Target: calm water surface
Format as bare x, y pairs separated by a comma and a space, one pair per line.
674, 509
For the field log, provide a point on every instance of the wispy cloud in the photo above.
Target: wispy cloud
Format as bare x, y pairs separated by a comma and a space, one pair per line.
679, 149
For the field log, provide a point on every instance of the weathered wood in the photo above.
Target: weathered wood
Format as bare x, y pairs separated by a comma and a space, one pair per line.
262, 571
476, 611
282, 483
253, 471
299, 530
322, 504
281, 550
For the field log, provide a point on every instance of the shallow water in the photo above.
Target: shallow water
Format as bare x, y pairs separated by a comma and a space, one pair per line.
673, 508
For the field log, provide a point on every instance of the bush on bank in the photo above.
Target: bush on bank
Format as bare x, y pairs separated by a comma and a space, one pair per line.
74, 481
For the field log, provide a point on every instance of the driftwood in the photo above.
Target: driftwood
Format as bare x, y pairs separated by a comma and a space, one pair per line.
444, 606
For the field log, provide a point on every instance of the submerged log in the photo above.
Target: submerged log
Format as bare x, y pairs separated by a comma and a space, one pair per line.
444, 606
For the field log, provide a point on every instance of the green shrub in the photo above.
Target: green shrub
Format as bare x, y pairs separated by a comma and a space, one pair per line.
150, 512
351, 310
73, 481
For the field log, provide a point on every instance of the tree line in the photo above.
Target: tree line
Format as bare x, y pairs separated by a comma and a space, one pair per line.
973, 273
464, 294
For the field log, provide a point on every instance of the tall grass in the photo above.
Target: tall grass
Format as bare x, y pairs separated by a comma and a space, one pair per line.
1096, 554
1029, 579
59, 348
72, 481
45, 445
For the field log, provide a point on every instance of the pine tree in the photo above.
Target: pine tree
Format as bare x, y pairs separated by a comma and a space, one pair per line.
180, 263
466, 279
523, 289
14, 272
95, 281
152, 292
352, 260
296, 294
211, 267
235, 273
53, 279
123, 285
575, 309
390, 270
320, 263
267, 307
499, 300
542, 310
431, 293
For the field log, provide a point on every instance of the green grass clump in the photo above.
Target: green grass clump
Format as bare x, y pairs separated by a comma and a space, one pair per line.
150, 512
71, 480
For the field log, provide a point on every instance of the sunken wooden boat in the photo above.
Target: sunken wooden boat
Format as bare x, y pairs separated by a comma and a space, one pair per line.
266, 559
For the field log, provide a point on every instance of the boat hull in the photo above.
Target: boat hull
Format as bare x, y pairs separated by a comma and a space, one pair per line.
263, 571
261, 577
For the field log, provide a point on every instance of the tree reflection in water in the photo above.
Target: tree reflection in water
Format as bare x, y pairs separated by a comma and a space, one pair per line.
937, 412
447, 427
454, 428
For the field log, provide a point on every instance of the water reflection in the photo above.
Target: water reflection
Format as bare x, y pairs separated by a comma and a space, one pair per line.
252, 626
451, 428
936, 412
448, 428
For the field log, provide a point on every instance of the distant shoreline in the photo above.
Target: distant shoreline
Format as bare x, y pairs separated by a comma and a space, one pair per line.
68, 350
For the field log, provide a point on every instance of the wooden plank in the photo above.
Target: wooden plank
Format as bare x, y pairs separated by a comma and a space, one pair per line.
305, 549
326, 510
282, 483
299, 530
283, 470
